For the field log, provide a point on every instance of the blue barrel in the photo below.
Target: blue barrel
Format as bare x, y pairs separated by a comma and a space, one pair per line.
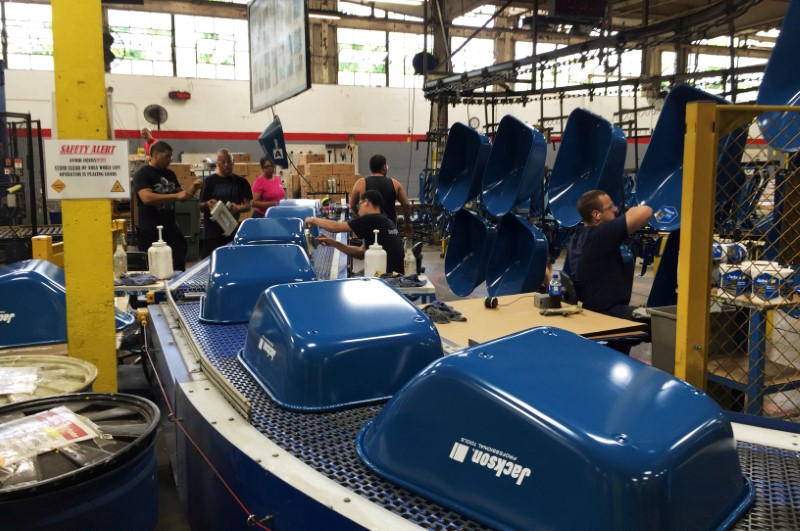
103, 483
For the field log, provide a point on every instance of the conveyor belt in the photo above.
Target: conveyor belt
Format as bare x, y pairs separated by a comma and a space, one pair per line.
325, 442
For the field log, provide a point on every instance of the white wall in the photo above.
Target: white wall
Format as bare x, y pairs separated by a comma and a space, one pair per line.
224, 106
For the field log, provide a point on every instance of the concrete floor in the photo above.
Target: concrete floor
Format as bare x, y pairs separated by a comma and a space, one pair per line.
172, 516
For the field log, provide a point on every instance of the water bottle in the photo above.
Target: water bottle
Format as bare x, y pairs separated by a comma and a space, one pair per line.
555, 291
120, 259
409, 261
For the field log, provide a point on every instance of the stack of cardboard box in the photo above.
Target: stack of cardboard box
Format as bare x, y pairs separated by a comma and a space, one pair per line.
327, 177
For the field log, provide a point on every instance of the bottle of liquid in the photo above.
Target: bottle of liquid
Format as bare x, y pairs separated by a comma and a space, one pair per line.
160, 257
408, 257
120, 258
555, 290
374, 259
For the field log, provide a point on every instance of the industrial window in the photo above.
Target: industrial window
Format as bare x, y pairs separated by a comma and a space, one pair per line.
211, 47
402, 49
142, 42
477, 53
29, 28
362, 57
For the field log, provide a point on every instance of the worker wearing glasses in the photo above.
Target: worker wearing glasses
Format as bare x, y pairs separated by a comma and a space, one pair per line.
233, 190
595, 259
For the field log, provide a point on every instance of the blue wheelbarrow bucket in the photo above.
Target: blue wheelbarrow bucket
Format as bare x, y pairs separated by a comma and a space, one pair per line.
371, 341
518, 259
659, 182
34, 305
256, 231
240, 273
781, 86
591, 157
463, 162
301, 212
471, 242
311, 203
515, 169
493, 431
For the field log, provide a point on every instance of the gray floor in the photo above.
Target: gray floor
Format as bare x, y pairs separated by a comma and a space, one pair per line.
172, 516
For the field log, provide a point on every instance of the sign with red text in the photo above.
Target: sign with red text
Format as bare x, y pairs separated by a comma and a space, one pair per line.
87, 169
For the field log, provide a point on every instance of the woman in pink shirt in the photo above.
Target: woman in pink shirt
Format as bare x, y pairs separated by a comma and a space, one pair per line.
267, 190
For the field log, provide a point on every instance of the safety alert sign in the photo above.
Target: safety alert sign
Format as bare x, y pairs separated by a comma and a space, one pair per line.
87, 169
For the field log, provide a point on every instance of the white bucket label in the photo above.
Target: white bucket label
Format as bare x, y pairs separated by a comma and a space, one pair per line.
735, 282
498, 461
265, 345
6, 317
767, 286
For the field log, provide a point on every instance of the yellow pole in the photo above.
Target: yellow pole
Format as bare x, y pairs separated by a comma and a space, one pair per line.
81, 115
694, 261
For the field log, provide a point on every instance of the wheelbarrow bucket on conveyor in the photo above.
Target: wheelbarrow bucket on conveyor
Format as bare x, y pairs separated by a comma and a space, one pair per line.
494, 431
781, 86
311, 203
240, 273
591, 157
301, 212
462, 168
518, 259
34, 309
257, 231
659, 182
371, 341
471, 242
515, 169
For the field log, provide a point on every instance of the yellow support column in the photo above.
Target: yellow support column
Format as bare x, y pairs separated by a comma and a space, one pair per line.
81, 115
694, 261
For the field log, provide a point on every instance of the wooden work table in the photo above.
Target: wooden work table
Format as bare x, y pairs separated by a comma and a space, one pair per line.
515, 313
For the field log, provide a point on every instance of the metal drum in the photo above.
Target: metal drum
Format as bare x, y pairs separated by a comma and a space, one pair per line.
108, 482
54, 375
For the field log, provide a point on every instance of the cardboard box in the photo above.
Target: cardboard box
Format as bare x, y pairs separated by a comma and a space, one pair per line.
248, 170
240, 157
308, 158
319, 169
184, 173
341, 168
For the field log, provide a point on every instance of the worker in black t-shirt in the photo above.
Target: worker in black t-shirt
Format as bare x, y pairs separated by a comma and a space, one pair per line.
594, 256
370, 218
229, 188
157, 189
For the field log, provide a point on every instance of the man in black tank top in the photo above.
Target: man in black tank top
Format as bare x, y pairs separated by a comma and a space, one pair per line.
390, 189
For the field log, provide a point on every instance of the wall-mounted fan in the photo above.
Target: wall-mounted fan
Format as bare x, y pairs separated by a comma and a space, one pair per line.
156, 115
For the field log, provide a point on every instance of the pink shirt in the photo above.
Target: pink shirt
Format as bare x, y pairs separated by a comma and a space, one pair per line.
270, 190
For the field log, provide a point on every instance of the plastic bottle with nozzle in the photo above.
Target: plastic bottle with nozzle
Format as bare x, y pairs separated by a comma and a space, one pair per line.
159, 256
374, 259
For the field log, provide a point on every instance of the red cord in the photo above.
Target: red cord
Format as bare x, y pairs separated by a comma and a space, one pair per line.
251, 521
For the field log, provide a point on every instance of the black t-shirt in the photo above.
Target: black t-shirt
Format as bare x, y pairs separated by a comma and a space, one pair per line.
388, 238
160, 182
596, 266
234, 189
384, 186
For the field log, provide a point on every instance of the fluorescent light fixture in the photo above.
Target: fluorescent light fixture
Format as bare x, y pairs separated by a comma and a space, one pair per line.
324, 17
399, 2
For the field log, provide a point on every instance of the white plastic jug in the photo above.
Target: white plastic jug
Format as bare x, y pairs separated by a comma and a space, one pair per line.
159, 255
374, 259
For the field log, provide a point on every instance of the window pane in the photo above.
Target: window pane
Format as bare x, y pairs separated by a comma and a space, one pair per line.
30, 36
206, 46
476, 54
363, 52
140, 37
